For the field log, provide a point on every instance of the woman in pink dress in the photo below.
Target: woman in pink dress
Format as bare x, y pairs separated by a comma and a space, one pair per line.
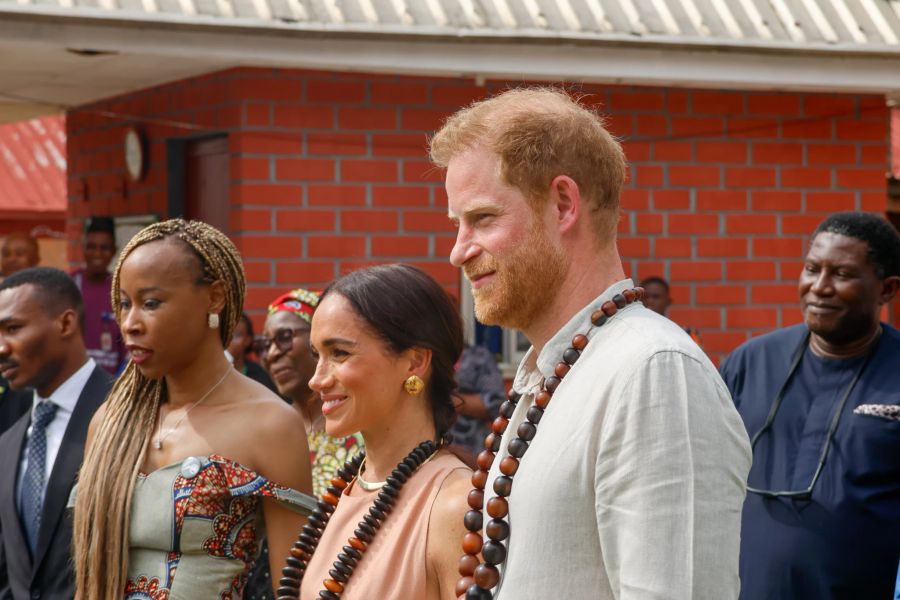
387, 339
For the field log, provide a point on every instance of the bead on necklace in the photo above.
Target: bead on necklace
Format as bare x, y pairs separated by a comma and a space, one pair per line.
371, 486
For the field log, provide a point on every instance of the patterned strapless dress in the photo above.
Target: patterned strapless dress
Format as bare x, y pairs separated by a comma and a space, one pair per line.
196, 528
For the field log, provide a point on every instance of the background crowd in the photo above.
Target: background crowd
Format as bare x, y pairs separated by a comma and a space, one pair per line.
374, 366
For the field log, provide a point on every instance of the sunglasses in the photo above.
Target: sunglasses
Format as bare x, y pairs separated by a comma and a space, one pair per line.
283, 340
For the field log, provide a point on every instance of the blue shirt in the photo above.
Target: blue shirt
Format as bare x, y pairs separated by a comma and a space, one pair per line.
897, 591
844, 541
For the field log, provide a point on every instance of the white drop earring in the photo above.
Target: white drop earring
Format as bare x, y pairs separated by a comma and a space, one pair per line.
213, 321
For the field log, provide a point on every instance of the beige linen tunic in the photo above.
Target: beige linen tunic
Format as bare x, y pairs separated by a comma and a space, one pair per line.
633, 486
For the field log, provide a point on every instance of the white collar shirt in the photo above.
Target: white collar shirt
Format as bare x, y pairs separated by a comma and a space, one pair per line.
65, 397
633, 485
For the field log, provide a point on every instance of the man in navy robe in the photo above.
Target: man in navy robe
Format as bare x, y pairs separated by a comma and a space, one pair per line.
821, 403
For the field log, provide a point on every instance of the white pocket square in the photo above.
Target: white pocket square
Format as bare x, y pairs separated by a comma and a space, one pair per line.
885, 411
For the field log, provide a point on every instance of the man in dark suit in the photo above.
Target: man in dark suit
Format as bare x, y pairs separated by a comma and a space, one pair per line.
42, 347
13, 404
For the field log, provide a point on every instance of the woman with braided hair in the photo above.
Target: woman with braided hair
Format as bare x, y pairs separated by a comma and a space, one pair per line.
386, 340
187, 458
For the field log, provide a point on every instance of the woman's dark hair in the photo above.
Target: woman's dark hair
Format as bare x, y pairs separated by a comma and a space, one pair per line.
407, 309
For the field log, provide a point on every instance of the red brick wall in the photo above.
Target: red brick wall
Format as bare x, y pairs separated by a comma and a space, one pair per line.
329, 173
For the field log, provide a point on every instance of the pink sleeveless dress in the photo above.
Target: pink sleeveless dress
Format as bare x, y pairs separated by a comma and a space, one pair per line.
393, 566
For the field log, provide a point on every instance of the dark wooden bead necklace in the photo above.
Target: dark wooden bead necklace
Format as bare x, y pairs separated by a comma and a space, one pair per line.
305, 546
479, 578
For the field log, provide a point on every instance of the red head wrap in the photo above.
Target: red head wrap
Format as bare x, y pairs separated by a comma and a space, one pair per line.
301, 302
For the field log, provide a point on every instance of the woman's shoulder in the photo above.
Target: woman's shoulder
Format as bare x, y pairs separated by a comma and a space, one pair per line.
454, 483
265, 433
447, 471
446, 518
262, 408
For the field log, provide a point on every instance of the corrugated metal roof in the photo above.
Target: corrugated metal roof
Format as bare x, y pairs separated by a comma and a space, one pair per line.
872, 25
33, 165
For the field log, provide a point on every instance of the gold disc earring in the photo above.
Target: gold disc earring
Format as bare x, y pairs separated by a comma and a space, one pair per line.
413, 385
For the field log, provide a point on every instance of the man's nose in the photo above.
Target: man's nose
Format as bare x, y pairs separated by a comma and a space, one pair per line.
464, 249
822, 283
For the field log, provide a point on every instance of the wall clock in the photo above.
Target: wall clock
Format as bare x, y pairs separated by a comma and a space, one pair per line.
134, 154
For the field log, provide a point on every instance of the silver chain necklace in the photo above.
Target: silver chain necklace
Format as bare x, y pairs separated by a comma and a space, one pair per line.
157, 443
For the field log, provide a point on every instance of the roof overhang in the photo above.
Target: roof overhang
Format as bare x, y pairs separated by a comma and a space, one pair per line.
60, 60
33, 169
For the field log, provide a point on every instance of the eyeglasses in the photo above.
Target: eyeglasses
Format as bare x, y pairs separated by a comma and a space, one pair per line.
283, 340
805, 493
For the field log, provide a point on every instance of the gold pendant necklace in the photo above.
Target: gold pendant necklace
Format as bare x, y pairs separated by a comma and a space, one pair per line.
157, 443
371, 486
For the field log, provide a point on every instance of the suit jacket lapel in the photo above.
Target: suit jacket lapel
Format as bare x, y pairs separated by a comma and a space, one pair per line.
68, 459
12, 446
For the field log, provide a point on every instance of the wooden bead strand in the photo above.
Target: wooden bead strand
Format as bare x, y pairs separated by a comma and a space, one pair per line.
479, 578
342, 569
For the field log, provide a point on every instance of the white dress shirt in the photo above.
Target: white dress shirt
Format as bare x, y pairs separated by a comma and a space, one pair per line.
633, 486
65, 397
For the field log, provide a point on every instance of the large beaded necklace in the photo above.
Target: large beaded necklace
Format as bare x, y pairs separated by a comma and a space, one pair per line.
342, 569
479, 578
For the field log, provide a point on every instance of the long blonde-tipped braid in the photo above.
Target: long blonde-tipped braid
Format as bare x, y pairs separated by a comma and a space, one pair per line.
112, 463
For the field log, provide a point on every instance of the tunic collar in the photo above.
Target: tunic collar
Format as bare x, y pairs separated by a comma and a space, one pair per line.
532, 369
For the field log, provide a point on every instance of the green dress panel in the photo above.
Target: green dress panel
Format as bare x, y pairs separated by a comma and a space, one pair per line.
196, 529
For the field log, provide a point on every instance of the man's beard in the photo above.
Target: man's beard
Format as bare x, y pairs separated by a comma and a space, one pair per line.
525, 281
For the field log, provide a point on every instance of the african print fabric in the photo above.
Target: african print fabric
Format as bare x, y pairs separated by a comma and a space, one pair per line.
328, 454
196, 528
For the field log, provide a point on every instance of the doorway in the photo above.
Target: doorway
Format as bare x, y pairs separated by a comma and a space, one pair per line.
199, 180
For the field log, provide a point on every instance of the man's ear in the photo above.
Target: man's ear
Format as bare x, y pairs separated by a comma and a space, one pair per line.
889, 288
68, 323
566, 197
